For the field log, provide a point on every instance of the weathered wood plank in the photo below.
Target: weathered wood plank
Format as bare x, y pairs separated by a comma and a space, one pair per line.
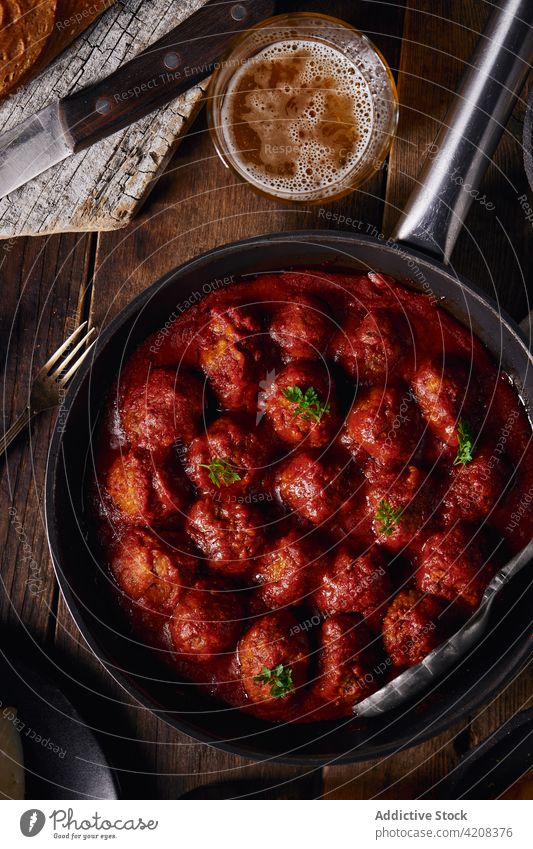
403, 775
100, 188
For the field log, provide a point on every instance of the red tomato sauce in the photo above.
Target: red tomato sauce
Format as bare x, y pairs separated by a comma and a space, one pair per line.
304, 483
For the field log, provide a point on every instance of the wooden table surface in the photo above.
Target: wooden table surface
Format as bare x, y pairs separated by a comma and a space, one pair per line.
49, 284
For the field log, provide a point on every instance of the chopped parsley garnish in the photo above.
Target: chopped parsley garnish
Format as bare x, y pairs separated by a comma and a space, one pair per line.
308, 404
279, 679
388, 516
465, 438
221, 472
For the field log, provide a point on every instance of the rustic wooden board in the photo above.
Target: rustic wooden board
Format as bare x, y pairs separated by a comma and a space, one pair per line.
103, 187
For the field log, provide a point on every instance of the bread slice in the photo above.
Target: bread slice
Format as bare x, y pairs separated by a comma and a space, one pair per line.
34, 32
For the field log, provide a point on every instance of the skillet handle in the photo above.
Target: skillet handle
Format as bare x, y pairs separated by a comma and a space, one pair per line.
471, 131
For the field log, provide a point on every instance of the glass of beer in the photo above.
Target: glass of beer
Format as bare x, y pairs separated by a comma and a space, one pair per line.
304, 108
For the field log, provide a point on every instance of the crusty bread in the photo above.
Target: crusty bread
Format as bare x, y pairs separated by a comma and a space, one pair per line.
33, 32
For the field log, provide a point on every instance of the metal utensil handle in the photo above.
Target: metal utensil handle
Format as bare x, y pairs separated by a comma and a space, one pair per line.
466, 143
22, 421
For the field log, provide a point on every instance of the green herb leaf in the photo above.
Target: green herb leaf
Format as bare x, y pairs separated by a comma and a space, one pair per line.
388, 516
279, 679
465, 437
308, 404
221, 472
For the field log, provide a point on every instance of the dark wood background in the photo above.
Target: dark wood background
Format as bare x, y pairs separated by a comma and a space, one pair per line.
49, 284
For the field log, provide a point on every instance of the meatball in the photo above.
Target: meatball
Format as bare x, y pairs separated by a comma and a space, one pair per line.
412, 627
370, 349
274, 658
284, 572
230, 535
230, 356
206, 623
226, 459
444, 396
345, 674
163, 409
452, 566
386, 423
128, 485
355, 584
401, 505
301, 405
302, 328
142, 493
152, 571
475, 488
311, 487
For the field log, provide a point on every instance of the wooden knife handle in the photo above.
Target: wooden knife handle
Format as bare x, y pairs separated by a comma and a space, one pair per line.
171, 65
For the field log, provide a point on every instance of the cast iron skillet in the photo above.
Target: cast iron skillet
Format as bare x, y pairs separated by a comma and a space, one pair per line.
428, 227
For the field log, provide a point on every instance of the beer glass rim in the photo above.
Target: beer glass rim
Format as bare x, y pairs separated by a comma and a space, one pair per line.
216, 93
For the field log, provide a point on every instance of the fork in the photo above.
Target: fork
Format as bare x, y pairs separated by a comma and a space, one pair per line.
48, 385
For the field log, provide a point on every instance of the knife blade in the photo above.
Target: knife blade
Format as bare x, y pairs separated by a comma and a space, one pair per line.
173, 64
31, 148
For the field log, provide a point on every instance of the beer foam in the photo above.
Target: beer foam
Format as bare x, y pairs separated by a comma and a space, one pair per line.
309, 111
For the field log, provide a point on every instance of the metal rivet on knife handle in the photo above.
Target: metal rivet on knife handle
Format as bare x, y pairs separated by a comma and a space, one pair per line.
171, 60
238, 12
103, 105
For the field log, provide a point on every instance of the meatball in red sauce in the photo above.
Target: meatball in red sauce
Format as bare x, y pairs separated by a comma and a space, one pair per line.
228, 458
355, 584
312, 487
474, 489
301, 405
445, 395
274, 658
370, 349
206, 623
285, 573
229, 534
152, 571
385, 422
412, 627
230, 355
453, 566
401, 504
302, 328
142, 493
164, 408
346, 662
128, 485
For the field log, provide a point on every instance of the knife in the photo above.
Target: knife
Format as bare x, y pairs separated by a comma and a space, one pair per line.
179, 60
